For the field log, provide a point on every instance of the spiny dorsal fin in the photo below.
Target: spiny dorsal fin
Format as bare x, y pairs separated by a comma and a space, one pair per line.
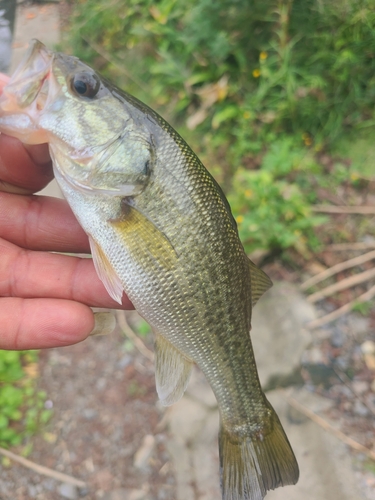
260, 282
172, 371
143, 238
105, 272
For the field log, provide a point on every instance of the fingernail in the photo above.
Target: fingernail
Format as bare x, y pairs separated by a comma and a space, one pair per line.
105, 323
39, 153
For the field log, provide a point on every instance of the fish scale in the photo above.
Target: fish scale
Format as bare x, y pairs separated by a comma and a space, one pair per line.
161, 230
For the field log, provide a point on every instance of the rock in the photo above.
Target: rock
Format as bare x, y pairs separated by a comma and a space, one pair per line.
193, 448
199, 389
360, 386
89, 413
325, 465
360, 409
125, 494
278, 334
67, 490
143, 454
337, 338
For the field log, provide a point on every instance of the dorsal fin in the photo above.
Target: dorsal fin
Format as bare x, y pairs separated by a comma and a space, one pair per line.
260, 283
172, 371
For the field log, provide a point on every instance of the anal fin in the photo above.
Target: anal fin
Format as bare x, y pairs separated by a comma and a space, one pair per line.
172, 371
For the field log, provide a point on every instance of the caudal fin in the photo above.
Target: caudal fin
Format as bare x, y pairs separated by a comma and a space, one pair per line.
252, 465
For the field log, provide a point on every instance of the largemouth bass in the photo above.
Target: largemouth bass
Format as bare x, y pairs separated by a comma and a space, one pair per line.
161, 230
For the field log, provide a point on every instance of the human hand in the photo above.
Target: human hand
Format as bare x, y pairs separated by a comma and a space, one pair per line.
45, 297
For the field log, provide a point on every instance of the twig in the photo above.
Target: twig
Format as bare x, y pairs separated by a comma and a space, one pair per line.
40, 469
365, 297
343, 247
332, 209
342, 285
124, 325
328, 427
356, 261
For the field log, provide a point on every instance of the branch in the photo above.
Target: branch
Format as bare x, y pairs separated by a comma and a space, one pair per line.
128, 331
333, 209
40, 469
337, 268
343, 247
342, 285
365, 297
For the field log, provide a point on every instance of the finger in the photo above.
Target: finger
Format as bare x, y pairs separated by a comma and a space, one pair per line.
42, 323
23, 170
30, 274
41, 223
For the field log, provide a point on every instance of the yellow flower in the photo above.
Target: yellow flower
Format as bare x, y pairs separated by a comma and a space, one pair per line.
307, 139
263, 55
248, 193
246, 115
256, 73
354, 176
32, 370
239, 219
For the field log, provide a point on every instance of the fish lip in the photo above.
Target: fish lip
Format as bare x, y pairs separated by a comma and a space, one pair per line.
29, 77
27, 93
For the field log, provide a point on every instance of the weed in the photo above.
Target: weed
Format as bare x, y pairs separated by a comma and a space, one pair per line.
21, 403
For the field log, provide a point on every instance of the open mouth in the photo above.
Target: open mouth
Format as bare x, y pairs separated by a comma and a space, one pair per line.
29, 82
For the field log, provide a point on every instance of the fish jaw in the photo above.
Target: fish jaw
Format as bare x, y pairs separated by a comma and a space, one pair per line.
26, 95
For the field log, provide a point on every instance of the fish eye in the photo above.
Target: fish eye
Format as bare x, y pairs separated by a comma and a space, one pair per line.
86, 84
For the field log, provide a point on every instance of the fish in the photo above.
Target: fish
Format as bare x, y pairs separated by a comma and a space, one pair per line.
160, 230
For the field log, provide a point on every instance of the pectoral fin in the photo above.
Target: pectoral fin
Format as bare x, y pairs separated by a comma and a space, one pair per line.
143, 239
105, 272
260, 282
172, 371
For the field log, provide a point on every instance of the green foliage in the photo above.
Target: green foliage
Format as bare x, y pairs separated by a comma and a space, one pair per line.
21, 404
273, 212
241, 75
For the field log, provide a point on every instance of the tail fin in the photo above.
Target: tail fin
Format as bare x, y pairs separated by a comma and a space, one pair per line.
252, 465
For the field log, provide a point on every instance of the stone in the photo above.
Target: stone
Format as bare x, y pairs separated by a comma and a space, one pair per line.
279, 334
69, 491
326, 470
125, 494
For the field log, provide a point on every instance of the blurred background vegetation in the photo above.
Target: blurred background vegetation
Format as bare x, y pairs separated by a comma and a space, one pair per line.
268, 93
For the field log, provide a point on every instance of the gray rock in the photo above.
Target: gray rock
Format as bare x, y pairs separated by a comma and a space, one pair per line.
125, 494
67, 490
278, 334
337, 338
89, 413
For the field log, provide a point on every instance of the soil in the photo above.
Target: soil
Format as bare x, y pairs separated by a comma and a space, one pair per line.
104, 403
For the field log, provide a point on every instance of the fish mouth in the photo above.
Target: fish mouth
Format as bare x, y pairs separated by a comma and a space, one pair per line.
27, 94
30, 76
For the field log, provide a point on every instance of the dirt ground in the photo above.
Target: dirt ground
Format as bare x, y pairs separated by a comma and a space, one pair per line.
104, 404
